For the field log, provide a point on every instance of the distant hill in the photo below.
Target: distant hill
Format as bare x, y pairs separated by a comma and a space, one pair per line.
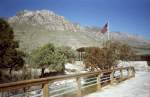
36, 28
138, 43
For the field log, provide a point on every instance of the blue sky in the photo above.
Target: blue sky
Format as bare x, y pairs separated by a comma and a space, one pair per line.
132, 16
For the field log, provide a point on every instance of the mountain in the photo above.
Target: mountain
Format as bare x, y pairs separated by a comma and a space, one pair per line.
133, 40
43, 19
138, 43
36, 28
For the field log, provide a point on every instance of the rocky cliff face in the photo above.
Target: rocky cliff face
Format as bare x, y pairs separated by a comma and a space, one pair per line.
46, 19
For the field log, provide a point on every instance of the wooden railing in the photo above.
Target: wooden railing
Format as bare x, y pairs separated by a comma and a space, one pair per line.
45, 83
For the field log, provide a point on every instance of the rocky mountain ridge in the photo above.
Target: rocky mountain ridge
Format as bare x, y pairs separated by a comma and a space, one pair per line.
47, 19
124, 37
36, 28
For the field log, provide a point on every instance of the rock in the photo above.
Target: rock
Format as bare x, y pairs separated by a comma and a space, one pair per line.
47, 19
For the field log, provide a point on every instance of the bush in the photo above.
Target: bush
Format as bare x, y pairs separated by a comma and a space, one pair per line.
108, 56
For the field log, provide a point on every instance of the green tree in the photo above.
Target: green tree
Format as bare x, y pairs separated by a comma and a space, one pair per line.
11, 58
68, 52
50, 57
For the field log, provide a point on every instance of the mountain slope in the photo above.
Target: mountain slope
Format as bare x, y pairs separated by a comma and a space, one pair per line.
36, 28
124, 37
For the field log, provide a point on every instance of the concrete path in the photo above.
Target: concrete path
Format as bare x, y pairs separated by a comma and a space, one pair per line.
134, 87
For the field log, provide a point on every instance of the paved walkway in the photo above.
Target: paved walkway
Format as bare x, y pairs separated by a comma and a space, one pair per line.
134, 87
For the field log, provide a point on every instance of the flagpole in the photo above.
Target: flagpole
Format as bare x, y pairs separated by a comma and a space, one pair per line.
107, 43
108, 35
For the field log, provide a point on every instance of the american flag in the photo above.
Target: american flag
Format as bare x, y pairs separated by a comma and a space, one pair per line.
105, 28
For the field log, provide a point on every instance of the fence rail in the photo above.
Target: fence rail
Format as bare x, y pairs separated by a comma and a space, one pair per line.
91, 78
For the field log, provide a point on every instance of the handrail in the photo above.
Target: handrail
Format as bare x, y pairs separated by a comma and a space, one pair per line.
42, 81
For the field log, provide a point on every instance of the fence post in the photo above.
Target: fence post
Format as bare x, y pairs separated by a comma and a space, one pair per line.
79, 93
45, 90
121, 74
112, 77
133, 72
128, 70
98, 82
